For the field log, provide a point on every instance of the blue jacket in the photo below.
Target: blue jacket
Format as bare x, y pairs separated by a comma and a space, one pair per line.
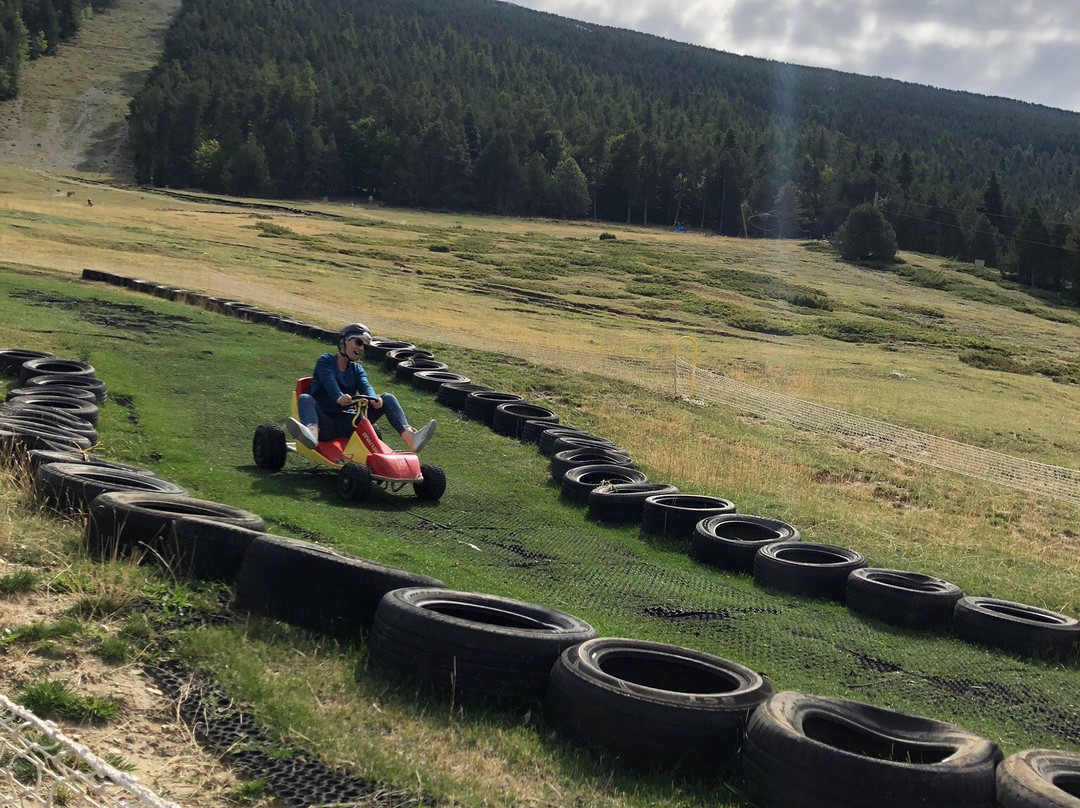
328, 383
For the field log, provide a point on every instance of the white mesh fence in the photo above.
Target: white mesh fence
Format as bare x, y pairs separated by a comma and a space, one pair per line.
40, 768
1055, 482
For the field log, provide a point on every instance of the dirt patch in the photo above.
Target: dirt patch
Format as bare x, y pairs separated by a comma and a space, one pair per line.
126, 316
149, 736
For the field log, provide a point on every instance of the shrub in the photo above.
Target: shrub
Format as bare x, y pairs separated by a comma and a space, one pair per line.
865, 235
607, 236
810, 300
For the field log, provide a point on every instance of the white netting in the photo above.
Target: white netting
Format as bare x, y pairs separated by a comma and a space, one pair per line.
40, 768
1038, 478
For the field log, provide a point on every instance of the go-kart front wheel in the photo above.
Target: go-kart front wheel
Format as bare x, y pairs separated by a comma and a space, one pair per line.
268, 447
433, 486
354, 482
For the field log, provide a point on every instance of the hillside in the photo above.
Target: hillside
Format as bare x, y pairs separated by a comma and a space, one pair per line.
488, 107
71, 108
471, 105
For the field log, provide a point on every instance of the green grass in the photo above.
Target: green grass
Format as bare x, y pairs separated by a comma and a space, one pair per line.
49, 698
21, 581
65, 628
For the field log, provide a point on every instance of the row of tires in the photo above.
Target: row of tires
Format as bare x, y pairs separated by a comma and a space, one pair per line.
795, 749
647, 704
595, 471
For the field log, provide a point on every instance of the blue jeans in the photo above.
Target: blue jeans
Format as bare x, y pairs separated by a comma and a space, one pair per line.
340, 424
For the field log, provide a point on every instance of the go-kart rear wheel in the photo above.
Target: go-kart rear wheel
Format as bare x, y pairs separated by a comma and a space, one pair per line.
354, 482
268, 447
433, 486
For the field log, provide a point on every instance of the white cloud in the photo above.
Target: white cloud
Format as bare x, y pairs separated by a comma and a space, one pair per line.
1023, 49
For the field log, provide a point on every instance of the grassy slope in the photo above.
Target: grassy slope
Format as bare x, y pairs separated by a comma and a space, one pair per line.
197, 387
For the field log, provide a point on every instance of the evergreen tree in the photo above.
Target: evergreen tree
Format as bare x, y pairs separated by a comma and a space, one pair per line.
993, 203
571, 190
13, 48
498, 176
983, 241
790, 213
865, 235
1072, 263
1030, 253
246, 173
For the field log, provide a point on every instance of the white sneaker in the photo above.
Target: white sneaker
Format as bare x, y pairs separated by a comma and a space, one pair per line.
301, 433
422, 436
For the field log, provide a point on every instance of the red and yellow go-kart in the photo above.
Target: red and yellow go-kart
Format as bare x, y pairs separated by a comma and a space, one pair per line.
362, 460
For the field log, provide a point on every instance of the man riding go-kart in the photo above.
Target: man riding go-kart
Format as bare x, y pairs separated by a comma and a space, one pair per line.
332, 423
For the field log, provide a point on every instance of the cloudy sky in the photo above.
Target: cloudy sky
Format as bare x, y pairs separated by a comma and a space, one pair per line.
1023, 49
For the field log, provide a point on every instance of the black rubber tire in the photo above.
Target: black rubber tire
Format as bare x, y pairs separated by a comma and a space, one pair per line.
354, 483
396, 356
480, 405
64, 390
53, 366
564, 442
268, 447
76, 408
731, 540
804, 751
1039, 778
431, 380
547, 437
479, 648
580, 481
562, 462
652, 704
509, 418
124, 522
94, 385
317, 588
406, 369
533, 428
807, 568
1015, 627
288, 325
455, 394
39, 457
16, 444
71, 487
204, 549
623, 502
675, 515
377, 350
30, 435
52, 419
433, 486
11, 359
900, 598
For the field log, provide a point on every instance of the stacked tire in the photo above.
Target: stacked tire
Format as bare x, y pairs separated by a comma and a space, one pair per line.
474, 647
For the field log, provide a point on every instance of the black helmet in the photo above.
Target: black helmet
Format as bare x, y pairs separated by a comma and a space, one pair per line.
353, 330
